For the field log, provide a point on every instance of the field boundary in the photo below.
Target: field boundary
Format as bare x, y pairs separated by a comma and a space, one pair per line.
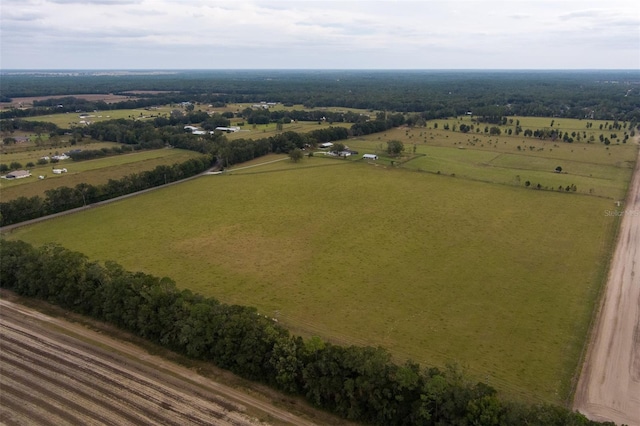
11, 227
606, 356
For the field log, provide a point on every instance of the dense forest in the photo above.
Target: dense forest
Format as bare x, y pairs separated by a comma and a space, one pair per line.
608, 95
358, 383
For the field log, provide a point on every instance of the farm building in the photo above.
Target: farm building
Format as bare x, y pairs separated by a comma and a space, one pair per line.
370, 156
190, 128
18, 174
229, 129
326, 145
59, 171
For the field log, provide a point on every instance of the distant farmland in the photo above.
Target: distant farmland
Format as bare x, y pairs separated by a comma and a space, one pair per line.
498, 278
94, 172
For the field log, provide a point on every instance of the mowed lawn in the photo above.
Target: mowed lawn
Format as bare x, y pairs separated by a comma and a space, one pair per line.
94, 172
499, 279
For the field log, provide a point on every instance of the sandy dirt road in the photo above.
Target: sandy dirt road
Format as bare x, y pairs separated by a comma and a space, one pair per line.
53, 372
609, 386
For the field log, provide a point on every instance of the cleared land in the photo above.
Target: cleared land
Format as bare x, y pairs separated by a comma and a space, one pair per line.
69, 120
93, 172
594, 168
27, 101
434, 268
57, 373
609, 387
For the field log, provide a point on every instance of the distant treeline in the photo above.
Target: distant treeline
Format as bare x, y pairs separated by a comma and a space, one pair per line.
11, 125
357, 383
70, 104
604, 94
65, 198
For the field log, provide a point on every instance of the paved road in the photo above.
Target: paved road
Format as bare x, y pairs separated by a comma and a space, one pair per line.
609, 387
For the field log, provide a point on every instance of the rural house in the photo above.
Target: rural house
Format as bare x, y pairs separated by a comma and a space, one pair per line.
370, 156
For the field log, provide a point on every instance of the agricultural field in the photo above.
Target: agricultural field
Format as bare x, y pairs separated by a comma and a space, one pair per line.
25, 153
70, 120
58, 372
500, 279
259, 131
94, 172
594, 168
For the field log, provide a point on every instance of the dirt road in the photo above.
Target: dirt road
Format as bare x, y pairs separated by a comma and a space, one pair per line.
609, 386
53, 372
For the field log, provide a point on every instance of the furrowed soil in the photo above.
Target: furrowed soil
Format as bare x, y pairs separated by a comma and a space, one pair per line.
54, 372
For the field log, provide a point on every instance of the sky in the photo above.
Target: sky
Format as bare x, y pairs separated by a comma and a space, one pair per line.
329, 34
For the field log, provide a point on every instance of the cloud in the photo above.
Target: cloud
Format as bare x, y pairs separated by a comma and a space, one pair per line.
22, 15
97, 2
305, 33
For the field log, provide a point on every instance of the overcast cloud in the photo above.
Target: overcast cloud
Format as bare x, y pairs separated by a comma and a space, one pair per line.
188, 34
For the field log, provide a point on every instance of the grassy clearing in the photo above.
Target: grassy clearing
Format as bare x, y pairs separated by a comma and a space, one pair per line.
239, 107
93, 172
594, 168
69, 120
260, 131
24, 154
438, 269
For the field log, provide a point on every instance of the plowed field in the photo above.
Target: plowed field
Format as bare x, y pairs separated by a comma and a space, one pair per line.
48, 377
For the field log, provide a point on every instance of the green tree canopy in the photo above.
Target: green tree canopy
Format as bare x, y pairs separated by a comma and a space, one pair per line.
296, 154
395, 147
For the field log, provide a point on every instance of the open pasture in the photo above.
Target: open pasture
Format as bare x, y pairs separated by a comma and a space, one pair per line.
259, 131
94, 172
239, 107
594, 168
438, 269
30, 153
73, 119
581, 130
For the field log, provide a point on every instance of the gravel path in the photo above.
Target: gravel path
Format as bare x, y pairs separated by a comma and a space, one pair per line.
609, 387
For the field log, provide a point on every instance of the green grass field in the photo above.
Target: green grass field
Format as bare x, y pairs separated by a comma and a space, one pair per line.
593, 168
95, 172
440, 269
69, 120
23, 153
260, 131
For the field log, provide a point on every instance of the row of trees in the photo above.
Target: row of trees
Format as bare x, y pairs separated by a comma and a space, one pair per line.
264, 116
65, 198
358, 383
146, 136
380, 124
